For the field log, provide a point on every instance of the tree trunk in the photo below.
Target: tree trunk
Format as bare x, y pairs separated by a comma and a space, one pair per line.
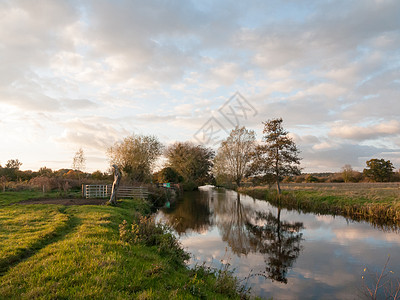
278, 187
117, 178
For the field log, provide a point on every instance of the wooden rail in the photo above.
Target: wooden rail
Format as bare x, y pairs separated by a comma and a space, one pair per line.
104, 191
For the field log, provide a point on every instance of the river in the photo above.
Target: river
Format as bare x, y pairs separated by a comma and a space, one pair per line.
279, 253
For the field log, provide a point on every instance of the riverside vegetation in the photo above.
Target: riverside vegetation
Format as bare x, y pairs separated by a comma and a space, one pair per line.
378, 203
97, 252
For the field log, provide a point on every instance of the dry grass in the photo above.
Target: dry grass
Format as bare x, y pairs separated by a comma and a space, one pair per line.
378, 203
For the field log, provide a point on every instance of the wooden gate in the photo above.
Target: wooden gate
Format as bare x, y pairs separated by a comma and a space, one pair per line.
104, 191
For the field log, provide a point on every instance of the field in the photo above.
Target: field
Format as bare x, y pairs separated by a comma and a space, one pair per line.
53, 251
378, 203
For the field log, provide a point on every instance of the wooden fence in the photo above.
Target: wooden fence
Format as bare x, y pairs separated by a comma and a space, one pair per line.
104, 191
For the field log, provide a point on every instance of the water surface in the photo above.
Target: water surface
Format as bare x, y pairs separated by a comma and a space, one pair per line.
289, 255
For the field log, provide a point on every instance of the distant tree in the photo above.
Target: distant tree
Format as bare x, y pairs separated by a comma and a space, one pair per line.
278, 155
379, 170
135, 156
44, 171
347, 173
193, 162
13, 164
98, 175
11, 169
79, 160
234, 155
169, 174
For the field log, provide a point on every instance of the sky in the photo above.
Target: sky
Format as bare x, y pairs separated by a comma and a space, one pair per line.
86, 74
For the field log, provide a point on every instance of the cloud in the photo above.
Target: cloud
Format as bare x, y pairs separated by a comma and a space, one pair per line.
327, 68
360, 133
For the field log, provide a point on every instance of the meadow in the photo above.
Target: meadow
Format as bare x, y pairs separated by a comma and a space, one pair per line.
378, 203
76, 252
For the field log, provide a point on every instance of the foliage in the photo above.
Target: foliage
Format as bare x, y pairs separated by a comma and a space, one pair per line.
193, 162
136, 156
278, 155
379, 170
11, 170
168, 174
234, 155
13, 164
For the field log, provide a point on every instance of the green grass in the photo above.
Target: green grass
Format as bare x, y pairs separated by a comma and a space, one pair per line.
378, 203
7, 198
75, 252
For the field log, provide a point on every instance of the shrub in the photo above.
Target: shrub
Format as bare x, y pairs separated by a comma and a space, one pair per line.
145, 231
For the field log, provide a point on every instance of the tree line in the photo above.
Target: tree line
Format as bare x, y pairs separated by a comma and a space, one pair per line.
240, 159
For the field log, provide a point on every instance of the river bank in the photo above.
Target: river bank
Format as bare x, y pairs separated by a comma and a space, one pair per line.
52, 251
378, 203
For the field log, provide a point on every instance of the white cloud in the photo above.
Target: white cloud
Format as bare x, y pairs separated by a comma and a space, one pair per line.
359, 133
163, 68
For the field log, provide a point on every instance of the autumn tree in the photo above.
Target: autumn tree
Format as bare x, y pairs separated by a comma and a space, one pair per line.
136, 156
379, 170
347, 173
234, 155
277, 155
192, 162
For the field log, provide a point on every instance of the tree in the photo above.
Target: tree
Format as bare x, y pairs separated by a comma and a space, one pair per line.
379, 170
135, 156
168, 174
79, 161
193, 162
278, 155
349, 175
13, 164
234, 155
10, 170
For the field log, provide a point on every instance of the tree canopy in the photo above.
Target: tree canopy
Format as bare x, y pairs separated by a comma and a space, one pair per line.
278, 154
234, 155
136, 156
192, 162
379, 170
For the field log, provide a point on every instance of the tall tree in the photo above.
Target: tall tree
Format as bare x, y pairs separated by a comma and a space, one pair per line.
379, 170
347, 173
278, 155
192, 162
135, 156
79, 160
234, 155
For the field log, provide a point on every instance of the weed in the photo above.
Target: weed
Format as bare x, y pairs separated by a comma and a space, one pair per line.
377, 285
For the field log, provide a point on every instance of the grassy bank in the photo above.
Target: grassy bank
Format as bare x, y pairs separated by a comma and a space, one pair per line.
76, 252
378, 203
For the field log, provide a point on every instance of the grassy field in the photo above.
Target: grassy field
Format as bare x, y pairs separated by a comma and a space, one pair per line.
378, 203
75, 252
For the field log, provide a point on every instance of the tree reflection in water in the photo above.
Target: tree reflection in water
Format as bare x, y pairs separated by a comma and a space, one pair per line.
241, 226
191, 214
279, 240
231, 219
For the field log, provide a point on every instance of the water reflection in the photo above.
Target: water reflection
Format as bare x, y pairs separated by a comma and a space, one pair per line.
300, 256
192, 214
243, 228
279, 241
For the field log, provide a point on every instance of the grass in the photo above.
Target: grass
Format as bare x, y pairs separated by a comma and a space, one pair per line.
75, 252
378, 203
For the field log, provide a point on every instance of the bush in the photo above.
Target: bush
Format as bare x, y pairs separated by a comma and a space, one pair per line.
145, 231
